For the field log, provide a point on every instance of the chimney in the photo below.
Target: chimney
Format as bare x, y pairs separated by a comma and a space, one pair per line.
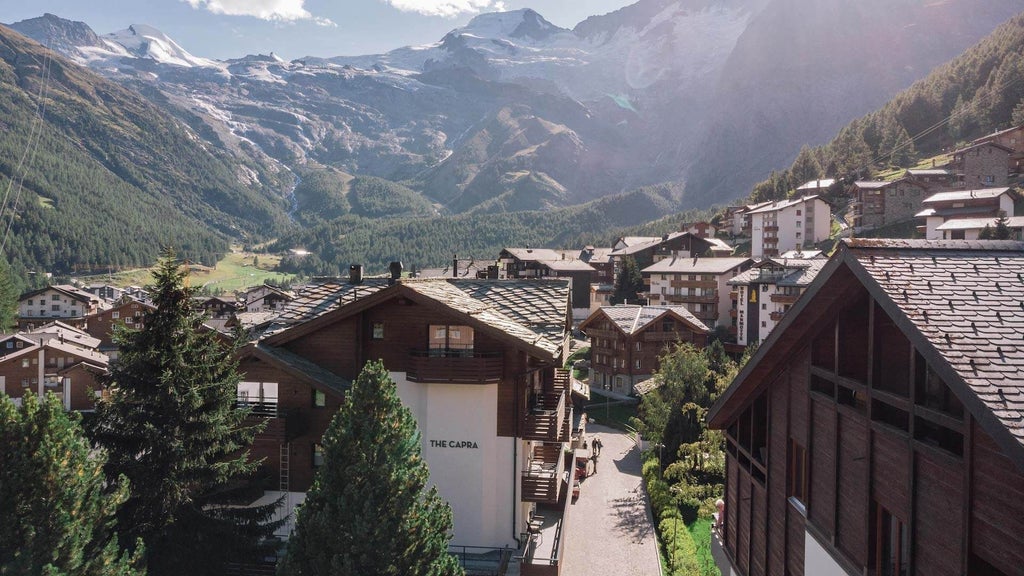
395, 268
355, 274
455, 265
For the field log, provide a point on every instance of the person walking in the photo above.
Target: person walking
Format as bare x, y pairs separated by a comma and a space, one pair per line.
597, 446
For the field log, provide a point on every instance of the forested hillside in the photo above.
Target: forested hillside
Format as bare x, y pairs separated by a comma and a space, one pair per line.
95, 176
432, 241
977, 93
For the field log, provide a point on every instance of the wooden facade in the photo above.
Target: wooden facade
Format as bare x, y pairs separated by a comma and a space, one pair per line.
848, 433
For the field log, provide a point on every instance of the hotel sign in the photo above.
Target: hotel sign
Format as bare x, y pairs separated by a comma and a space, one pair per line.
453, 444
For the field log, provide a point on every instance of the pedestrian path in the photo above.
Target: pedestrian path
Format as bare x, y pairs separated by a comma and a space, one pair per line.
612, 533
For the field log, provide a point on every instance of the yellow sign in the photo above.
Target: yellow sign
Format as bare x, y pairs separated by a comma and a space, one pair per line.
753, 296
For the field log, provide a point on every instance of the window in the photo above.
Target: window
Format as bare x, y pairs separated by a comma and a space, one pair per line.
797, 472
799, 212
24, 362
10, 344
55, 307
115, 314
319, 399
29, 301
450, 341
318, 455
890, 543
638, 364
129, 320
55, 297
638, 346
378, 331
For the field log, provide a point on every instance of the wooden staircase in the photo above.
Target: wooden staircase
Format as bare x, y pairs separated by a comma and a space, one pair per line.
542, 479
284, 480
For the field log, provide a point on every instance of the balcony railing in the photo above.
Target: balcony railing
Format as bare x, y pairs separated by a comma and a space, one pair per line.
661, 336
542, 479
265, 406
784, 298
454, 366
776, 316
547, 418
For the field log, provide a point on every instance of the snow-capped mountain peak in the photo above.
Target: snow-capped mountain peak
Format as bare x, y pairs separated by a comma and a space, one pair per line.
144, 41
523, 23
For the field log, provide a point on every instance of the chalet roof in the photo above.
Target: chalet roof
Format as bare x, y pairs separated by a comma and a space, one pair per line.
568, 265
979, 223
68, 347
982, 193
254, 320
783, 204
980, 144
719, 245
593, 255
817, 184
537, 254
297, 364
965, 212
871, 184
996, 134
532, 312
66, 289
468, 268
649, 385
959, 304
797, 272
930, 172
529, 310
634, 240
801, 254
695, 265
654, 241
324, 295
633, 318
60, 330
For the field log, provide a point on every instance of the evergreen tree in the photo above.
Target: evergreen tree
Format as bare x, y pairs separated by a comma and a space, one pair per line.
8, 296
171, 428
629, 284
367, 512
57, 514
1002, 230
806, 167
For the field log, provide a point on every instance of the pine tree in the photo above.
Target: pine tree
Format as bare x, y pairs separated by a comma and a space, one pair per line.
171, 428
1002, 230
629, 283
8, 296
367, 512
806, 167
57, 514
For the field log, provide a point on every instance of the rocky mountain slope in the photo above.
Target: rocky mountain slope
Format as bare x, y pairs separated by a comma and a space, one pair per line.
511, 112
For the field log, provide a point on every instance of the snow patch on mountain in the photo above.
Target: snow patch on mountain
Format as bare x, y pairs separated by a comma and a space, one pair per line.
144, 41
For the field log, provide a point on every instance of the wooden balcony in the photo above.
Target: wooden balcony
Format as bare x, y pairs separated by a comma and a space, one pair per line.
693, 284
542, 479
784, 298
661, 336
732, 313
771, 228
454, 366
598, 333
776, 316
546, 421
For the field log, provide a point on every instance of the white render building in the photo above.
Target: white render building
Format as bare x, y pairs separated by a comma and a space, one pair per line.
698, 284
789, 225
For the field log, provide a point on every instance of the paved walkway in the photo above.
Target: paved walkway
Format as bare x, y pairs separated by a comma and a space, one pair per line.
611, 531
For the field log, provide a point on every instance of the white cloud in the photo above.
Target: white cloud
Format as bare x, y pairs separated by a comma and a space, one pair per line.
447, 8
274, 10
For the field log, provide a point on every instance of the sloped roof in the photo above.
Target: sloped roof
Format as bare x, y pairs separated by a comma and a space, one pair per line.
532, 312
982, 193
958, 302
782, 205
468, 268
872, 184
817, 184
978, 223
60, 330
297, 364
633, 318
326, 294
599, 255
640, 245
66, 289
930, 172
980, 144
799, 272
695, 265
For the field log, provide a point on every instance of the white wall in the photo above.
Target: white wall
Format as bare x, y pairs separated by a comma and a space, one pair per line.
822, 220
819, 562
476, 479
757, 235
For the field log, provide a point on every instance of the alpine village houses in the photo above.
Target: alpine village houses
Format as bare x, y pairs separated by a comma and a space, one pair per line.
626, 342
478, 361
878, 429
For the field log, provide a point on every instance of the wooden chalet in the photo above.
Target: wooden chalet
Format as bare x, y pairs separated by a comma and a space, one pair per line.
59, 302
55, 358
626, 342
878, 429
479, 364
127, 311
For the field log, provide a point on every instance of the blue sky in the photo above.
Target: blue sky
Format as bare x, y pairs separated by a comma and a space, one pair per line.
295, 28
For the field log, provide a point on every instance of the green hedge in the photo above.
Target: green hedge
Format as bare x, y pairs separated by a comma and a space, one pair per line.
676, 542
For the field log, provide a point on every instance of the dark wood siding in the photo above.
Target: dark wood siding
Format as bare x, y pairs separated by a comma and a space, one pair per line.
796, 531
798, 398
743, 521
823, 466
732, 504
758, 526
852, 508
333, 348
890, 474
777, 489
938, 512
997, 518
